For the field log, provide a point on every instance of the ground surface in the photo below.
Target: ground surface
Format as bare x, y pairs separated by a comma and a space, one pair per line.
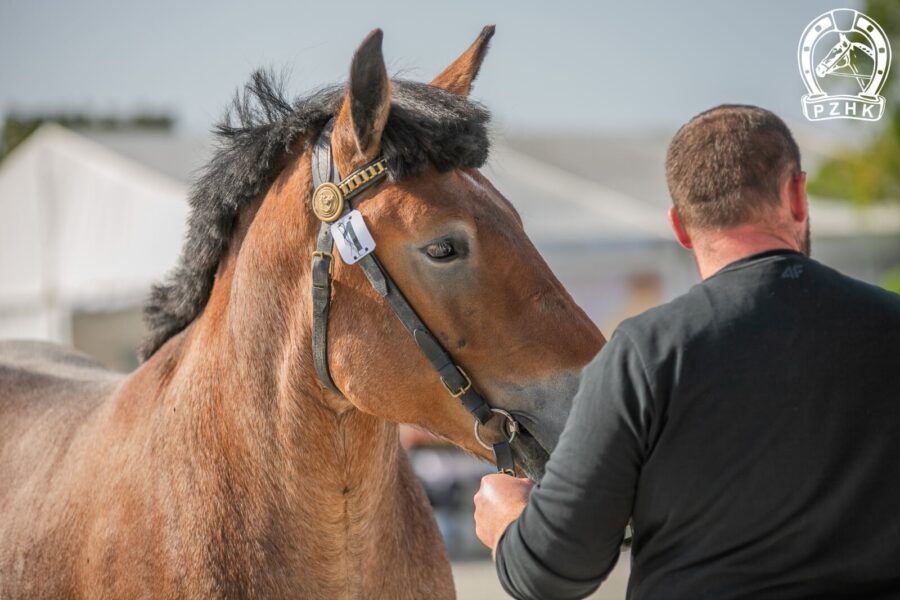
477, 580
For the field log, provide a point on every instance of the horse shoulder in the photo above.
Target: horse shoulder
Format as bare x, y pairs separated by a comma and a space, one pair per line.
47, 393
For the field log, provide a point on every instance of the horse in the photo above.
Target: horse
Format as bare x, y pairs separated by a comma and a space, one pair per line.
224, 466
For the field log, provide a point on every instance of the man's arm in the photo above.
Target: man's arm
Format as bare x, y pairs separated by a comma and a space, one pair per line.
567, 539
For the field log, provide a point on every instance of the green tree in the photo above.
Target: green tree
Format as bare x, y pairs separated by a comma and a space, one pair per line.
891, 281
873, 173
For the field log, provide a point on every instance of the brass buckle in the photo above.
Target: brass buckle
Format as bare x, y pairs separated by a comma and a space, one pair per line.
330, 257
509, 429
463, 389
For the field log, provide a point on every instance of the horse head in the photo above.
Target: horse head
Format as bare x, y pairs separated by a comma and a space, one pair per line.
457, 249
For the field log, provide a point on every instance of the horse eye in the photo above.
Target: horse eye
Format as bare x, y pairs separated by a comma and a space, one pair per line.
441, 250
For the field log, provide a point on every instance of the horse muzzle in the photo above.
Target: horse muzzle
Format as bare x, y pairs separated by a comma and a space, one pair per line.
540, 410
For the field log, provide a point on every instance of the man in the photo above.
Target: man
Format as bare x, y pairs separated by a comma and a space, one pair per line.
750, 429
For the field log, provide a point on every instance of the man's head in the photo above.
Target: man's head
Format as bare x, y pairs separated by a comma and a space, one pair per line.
734, 174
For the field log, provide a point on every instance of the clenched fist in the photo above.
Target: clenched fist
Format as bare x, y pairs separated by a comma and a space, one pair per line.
499, 502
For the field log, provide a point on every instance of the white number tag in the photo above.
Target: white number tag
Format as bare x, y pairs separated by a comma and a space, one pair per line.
352, 237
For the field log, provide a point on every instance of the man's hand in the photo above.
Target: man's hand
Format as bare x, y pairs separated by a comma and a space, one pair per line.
499, 502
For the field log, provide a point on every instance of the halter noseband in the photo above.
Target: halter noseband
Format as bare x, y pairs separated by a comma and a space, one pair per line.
331, 202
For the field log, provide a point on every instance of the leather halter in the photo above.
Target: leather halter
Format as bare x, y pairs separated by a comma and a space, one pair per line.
339, 192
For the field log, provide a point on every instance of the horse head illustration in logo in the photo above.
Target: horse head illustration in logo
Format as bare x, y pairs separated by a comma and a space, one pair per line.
346, 230
839, 45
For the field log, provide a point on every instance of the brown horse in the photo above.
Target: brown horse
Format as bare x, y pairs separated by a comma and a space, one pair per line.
223, 467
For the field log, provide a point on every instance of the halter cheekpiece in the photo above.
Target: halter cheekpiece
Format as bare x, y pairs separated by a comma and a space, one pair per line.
331, 203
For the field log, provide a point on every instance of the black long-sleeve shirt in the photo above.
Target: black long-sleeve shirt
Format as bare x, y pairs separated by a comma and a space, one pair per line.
751, 431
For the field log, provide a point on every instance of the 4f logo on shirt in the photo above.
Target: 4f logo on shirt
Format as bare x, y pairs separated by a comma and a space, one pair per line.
792, 272
839, 46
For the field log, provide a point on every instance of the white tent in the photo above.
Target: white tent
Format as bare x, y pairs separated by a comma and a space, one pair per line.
81, 228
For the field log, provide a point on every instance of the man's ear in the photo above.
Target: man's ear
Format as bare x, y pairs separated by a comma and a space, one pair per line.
681, 233
458, 77
795, 190
357, 130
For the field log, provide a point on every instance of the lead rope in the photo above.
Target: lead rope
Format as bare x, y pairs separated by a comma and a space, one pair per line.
330, 203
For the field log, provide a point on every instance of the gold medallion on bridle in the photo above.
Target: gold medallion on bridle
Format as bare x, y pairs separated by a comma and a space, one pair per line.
328, 202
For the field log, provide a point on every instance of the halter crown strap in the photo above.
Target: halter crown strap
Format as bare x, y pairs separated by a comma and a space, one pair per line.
331, 202
325, 173
323, 169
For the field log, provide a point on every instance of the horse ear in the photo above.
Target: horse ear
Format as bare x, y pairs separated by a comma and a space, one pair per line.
458, 77
361, 120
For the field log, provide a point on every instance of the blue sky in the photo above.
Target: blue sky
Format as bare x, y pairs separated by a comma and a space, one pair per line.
592, 66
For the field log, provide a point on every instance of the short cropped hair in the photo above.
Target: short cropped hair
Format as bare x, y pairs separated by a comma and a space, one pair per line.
725, 166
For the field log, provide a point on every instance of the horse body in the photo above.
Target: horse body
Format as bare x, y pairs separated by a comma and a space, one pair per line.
223, 466
146, 493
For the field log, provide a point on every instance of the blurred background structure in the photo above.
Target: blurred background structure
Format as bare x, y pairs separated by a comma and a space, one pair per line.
90, 218
107, 108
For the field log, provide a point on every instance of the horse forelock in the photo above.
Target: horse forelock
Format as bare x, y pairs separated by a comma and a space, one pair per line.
427, 127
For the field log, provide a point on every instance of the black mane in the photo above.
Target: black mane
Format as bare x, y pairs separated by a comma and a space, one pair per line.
427, 126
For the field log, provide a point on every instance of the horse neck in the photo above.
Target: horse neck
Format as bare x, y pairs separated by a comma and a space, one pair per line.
244, 372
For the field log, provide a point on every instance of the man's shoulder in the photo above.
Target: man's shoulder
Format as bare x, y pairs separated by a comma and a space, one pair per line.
671, 321
695, 312
855, 290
